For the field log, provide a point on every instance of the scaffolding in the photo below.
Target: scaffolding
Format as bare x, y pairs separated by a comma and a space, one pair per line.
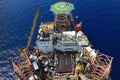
99, 68
24, 68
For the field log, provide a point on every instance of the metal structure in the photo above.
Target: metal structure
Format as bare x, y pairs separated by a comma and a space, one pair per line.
100, 66
26, 50
60, 53
62, 15
24, 68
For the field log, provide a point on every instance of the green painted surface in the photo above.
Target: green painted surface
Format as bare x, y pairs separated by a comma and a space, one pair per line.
62, 7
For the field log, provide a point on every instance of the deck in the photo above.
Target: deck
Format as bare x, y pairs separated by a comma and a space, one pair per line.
65, 63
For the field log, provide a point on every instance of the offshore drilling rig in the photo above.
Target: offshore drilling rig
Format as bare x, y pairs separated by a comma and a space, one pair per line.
60, 52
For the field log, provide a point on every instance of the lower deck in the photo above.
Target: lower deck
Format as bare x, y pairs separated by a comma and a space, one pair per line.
64, 62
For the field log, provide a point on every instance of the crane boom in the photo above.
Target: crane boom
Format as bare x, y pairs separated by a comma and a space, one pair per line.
25, 52
33, 28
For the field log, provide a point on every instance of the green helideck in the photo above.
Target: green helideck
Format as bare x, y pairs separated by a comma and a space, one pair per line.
62, 8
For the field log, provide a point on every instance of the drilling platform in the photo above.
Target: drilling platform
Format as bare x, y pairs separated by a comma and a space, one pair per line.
60, 52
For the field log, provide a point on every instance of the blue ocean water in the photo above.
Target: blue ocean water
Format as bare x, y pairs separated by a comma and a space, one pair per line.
101, 23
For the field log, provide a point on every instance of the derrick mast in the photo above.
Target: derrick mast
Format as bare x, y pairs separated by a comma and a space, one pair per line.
62, 15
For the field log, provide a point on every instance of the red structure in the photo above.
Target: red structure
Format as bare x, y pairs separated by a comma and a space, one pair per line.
100, 66
24, 69
77, 27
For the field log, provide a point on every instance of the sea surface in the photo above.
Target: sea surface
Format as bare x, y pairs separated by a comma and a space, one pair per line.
101, 23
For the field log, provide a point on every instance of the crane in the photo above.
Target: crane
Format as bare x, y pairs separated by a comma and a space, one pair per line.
25, 52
